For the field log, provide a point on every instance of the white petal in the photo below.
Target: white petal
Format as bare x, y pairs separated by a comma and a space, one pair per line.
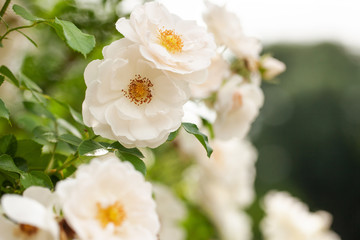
124, 27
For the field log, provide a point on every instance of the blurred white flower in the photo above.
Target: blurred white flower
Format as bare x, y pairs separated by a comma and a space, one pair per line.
101, 9
288, 218
233, 224
271, 67
109, 199
218, 70
237, 106
169, 42
227, 30
130, 101
29, 216
171, 212
227, 178
218, 202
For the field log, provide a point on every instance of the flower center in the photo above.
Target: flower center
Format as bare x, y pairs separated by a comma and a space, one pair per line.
139, 90
114, 213
237, 100
28, 229
170, 40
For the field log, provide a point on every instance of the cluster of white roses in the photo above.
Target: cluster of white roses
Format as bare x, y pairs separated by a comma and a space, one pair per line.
107, 199
136, 94
223, 184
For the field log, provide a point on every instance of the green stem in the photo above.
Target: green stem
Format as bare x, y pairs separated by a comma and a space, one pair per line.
5, 6
68, 162
52, 160
17, 28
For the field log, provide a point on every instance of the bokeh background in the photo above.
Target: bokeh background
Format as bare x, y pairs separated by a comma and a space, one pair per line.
308, 132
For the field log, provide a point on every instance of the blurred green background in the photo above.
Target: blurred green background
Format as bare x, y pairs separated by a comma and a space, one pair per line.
308, 132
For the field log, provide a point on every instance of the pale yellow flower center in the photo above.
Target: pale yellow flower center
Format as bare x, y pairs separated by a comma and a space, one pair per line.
139, 90
170, 40
114, 213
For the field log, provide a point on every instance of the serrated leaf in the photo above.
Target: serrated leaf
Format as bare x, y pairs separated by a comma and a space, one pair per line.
36, 178
173, 135
121, 148
8, 145
76, 39
4, 112
2, 78
90, 147
71, 139
138, 164
7, 73
7, 164
203, 139
22, 12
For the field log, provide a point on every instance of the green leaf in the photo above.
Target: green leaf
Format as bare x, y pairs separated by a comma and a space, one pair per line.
138, 164
44, 134
6, 72
29, 83
31, 152
76, 116
38, 109
71, 139
89, 147
22, 12
121, 148
36, 178
8, 145
4, 112
76, 39
203, 139
1, 79
7, 164
173, 135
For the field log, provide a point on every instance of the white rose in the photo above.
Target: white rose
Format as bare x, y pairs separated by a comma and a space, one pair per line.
272, 67
227, 30
237, 106
169, 42
228, 176
217, 71
109, 199
288, 218
130, 101
171, 212
233, 224
29, 216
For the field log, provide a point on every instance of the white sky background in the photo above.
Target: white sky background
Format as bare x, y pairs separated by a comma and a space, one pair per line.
299, 21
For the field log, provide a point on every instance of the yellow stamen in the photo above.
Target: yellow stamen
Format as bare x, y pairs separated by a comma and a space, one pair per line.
171, 41
114, 213
139, 90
